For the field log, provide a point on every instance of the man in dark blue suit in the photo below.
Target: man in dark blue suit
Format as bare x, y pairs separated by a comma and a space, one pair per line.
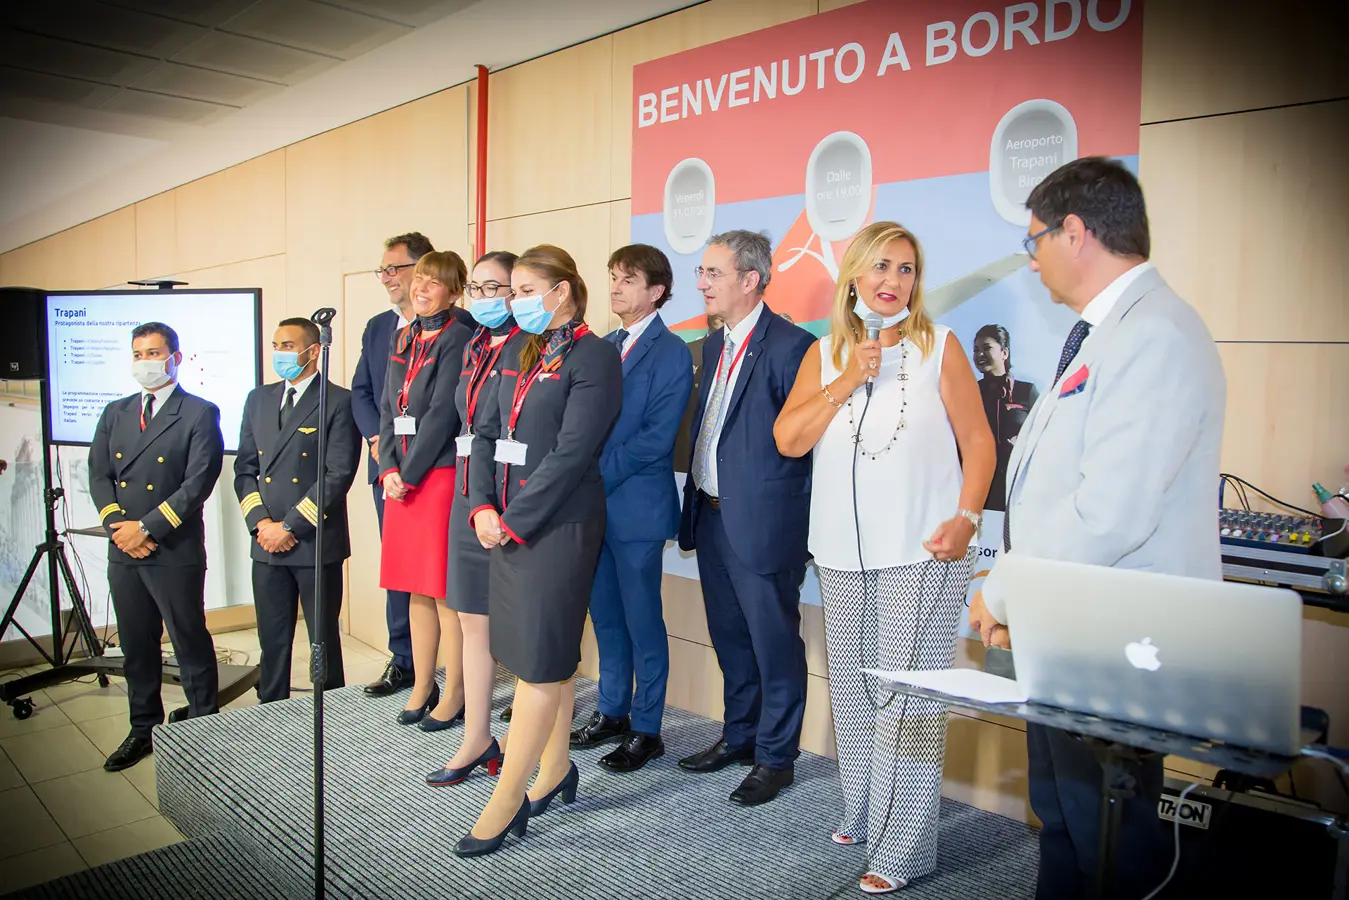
643, 513
395, 273
746, 512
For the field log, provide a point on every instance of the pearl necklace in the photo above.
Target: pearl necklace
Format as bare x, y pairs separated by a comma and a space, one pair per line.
903, 380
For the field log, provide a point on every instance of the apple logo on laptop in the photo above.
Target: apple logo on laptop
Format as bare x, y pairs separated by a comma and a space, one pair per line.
1142, 655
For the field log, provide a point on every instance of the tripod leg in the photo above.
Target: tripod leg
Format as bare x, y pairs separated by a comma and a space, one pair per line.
79, 611
14, 606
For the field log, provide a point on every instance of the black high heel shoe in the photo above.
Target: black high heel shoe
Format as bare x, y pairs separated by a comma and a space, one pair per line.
431, 723
470, 846
413, 716
566, 788
490, 759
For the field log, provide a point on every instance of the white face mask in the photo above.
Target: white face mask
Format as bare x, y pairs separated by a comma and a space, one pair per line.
152, 374
861, 310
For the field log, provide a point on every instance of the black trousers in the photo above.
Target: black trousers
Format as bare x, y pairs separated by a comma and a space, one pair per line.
1065, 792
147, 600
278, 591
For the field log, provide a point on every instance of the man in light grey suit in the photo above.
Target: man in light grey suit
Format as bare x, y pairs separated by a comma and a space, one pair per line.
1116, 465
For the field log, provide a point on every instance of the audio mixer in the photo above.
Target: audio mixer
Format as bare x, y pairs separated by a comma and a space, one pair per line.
1245, 528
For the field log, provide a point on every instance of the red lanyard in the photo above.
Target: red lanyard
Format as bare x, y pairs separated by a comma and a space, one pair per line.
420, 357
523, 385
478, 379
735, 362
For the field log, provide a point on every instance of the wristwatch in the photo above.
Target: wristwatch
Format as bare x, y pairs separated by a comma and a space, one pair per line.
286, 526
974, 517
144, 530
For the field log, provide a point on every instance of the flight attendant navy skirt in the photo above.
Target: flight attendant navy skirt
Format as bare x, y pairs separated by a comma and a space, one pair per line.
467, 578
416, 537
538, 598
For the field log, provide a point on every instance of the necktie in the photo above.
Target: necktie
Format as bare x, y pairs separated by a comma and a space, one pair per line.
288, 407
148, 411
1070, 348
618, 338
1072, 345
702, 451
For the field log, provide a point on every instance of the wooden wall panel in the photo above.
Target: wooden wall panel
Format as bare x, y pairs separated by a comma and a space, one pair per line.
156, 236
1203, 57
1285, 425
233, 215
268, 273
583, 232
27, 266
1249, 216
549, 131
693, 27
315, 223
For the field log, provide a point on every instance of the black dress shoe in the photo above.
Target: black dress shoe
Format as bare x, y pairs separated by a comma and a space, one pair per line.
600, 730
718, 757
133, 750
761, 785
506, 713
395, 679
635, 752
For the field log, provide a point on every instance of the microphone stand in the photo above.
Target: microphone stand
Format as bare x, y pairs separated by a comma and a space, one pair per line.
318, 662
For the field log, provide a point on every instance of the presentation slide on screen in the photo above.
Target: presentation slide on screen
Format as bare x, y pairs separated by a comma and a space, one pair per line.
89, 353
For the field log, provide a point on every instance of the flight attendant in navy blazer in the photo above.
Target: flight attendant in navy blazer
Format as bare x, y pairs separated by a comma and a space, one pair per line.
746, 512
643, 513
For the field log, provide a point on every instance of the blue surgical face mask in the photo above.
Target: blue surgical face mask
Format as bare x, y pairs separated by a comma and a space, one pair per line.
530, 313
861, 310
286, 363
490, 311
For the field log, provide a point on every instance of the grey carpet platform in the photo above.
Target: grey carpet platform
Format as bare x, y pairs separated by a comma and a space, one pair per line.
237, 785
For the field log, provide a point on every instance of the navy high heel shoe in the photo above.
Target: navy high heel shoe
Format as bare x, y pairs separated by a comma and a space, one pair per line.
470, 846
431, 723
413, 716
491, 759
566, 789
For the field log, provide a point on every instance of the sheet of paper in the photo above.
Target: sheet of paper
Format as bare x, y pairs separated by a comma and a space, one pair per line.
970, 684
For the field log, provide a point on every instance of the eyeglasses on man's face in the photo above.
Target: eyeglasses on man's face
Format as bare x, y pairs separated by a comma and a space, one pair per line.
711, 274
478, 291
392, 270
1031, 243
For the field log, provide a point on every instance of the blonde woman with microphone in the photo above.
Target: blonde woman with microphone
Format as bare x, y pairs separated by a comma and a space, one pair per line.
903, 457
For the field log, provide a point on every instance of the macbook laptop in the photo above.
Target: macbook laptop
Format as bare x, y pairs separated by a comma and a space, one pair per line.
1213, 659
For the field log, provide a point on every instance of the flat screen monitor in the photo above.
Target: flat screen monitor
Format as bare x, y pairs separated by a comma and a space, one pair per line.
88, 352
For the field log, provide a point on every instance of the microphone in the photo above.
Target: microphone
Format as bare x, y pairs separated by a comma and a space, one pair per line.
872, 323
323, 316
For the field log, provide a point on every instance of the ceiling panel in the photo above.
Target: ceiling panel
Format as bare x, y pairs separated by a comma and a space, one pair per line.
204, 84
96, 23
317, 27
257, 59
158, 106
201, 12
23, 50
37, 86
409, 12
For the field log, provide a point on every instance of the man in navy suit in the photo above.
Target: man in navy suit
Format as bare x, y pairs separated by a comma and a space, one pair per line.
395, 273
643, 513
746, 511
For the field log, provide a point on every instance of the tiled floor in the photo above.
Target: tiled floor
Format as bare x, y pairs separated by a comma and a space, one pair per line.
60, 812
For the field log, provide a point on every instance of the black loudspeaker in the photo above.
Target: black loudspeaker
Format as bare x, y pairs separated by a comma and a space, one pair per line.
22, 340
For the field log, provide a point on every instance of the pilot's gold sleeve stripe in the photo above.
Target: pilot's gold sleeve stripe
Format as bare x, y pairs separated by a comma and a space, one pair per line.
107, 511
251, 502
170, 515
309, 509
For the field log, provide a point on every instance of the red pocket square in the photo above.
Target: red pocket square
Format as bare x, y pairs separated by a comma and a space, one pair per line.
1074, 383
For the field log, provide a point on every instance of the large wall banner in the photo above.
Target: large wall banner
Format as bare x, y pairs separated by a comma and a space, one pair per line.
939, 115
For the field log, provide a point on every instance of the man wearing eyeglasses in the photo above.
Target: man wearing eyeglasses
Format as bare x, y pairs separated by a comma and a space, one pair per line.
1115, 466
395, 273
746, 511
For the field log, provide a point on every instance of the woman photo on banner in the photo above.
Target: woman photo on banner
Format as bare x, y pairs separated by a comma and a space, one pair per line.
1007, 402
898, 415
489, 295
418, 424
538, 507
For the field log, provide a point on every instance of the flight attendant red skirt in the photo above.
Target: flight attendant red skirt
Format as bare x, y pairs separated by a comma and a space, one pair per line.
416, 537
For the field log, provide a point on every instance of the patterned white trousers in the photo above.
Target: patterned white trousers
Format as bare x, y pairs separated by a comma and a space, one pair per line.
890, 759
